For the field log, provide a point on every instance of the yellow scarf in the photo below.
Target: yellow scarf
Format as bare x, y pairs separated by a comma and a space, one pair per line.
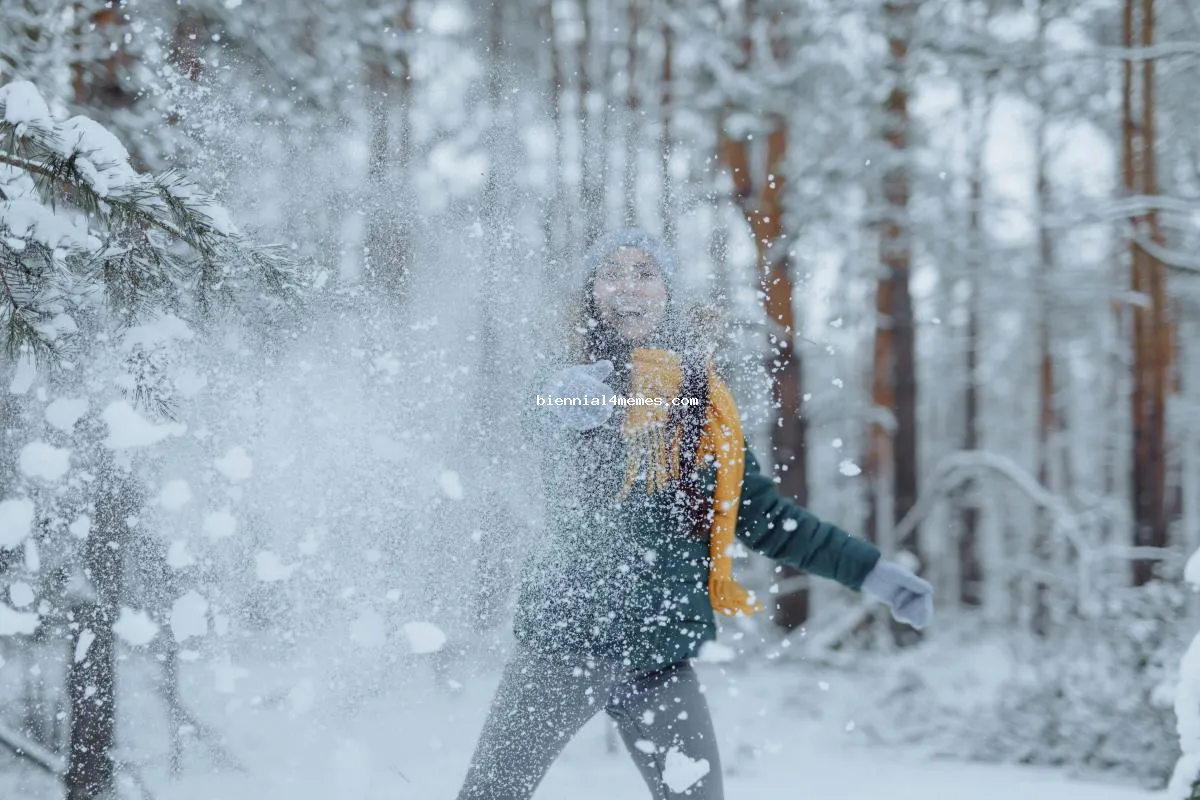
658, 373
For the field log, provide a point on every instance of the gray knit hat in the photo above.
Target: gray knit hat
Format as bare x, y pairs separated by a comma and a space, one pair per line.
612, 241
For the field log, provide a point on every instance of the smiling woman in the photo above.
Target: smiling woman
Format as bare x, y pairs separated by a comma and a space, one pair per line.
644, 502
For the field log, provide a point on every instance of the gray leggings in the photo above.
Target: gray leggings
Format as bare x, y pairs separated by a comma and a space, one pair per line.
542, 702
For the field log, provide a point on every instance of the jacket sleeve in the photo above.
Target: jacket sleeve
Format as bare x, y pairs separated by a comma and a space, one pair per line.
773, 525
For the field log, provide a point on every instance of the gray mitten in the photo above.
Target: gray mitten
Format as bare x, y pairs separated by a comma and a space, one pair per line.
583, 382
909, 597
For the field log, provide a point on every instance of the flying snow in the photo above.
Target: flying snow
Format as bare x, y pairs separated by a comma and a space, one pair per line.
26, 372
21, 594
1191, 572
44, 461
81, 527
135, 627
681, 772
151, 334
450, 485
127, 428
220, 525
368, 629
268, 568
351, 773
301, 698
235, 465
849, 468
13, 622
16, 521
226, 674
64, 412
83, 644
175, 495
424, 637
189, 616
178, 556
715, 653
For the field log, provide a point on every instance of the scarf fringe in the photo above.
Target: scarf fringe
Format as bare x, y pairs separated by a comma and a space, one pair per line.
729, 598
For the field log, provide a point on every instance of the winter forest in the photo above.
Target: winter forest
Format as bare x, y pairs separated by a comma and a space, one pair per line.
276, 280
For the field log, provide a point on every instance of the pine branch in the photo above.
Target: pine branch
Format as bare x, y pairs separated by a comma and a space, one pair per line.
19, 292
169, 203
57, 176
150, 240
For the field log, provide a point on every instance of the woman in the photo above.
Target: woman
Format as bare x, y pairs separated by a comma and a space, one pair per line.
643, 505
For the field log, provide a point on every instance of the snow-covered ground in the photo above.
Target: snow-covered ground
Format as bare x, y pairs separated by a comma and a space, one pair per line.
352, 726
786, 731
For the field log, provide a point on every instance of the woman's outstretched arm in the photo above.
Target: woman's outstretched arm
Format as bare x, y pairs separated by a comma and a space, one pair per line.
773, 525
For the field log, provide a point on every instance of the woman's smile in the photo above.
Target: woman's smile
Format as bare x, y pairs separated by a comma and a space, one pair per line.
630, 294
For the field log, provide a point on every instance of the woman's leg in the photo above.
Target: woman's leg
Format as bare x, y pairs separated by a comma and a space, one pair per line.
664, 720
540, 704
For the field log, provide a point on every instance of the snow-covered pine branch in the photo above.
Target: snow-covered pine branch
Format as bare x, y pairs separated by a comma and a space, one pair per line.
77, 222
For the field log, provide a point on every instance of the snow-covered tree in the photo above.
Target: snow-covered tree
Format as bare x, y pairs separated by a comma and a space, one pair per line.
95, 254
77, 219
1185, 780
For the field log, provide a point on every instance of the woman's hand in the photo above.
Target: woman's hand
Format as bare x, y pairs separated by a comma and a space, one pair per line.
909, 597
584, 382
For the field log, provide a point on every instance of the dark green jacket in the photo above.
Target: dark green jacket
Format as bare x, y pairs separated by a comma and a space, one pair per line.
628, 579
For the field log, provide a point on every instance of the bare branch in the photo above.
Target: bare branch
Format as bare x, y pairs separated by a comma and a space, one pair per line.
31, 750
986, 59
1172, 258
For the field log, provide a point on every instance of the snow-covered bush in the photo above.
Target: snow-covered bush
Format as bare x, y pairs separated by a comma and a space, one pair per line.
1185, 780
1095, 696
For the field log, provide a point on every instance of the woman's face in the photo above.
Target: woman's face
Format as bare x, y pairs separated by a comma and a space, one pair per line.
630, 294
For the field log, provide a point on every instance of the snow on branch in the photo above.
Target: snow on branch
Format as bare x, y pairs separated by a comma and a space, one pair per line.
984, 57
1065, 521
1151, 53
1172, 258
75, 217
1119, 208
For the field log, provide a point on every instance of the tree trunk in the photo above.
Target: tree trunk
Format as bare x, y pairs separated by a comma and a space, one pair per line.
552, 215
91, 680
187, 42
100, 60
1151, 323
761, 200
607, 46
389, 81
1189, 466
892, 439
494, 311
970, 568
633, 111
1051, 420
590, 191
788, 438
667, 204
